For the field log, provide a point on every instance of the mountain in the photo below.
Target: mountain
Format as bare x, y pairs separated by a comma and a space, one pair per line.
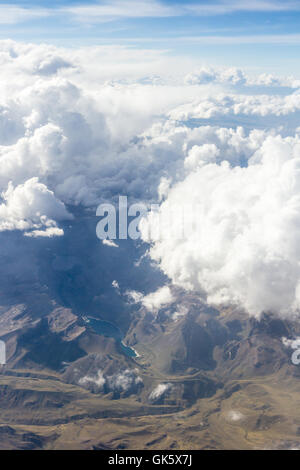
190, 376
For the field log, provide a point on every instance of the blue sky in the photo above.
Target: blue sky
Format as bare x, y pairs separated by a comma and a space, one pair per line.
245, 33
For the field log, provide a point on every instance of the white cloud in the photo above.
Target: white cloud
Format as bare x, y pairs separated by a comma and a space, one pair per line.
232, 107
160, 298
153, 301
120, 381
200, 155
244, 248
49, 232
163, 188
159, 391
97, 380
31, 206
234, 415
110, 243
111, 10
134, 296
69, 137
124, 380
234, 76
115, 9
231, 75
12, 14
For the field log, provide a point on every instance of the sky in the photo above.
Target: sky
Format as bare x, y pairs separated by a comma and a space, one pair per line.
159, 101
257, 34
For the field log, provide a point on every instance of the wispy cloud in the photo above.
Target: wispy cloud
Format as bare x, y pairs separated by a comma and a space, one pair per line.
224, 7
112, 10
116, 9
284, 39
13, 14
212, 40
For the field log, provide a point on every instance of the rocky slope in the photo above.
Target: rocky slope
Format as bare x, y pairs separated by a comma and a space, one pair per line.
207, 379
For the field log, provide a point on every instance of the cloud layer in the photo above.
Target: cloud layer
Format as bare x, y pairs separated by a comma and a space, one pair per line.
110, 10
244, 248
223, 141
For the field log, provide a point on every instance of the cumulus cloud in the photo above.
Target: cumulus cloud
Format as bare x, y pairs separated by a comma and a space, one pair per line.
63, 125
153, 301
115, 285
235, 77
229, 107
159, 298
223, 141
200, 155
32, 206
97, 380
205, 75
159, 391
124, 380
121, 381
243, 249
56, 125
49, 232
234, 415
